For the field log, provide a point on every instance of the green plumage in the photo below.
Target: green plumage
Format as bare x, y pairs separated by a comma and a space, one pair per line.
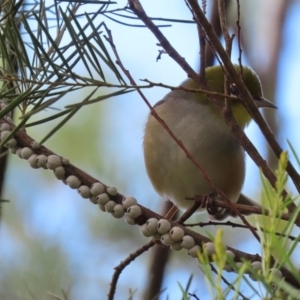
215, 80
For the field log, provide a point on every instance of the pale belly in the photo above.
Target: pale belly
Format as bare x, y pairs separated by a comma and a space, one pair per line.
175, 177
182, 179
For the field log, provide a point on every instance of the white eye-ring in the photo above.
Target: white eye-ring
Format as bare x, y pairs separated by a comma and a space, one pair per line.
233, 89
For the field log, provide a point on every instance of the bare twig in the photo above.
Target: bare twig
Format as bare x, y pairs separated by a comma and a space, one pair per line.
238, 225
202, 43
95, 83
228, 283
123, 264
215, 22
188, 213
194, 296
223, 24
239, 34
182, 88
242, 208
171, 212
139, 11
228, 46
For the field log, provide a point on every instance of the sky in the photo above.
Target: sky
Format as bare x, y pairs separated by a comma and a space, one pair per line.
55, 215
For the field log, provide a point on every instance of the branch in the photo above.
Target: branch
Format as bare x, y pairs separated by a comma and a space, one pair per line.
123, 264
237, 225
24, 142
242, 208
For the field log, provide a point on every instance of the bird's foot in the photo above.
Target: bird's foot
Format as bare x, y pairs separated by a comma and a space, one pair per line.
210, 205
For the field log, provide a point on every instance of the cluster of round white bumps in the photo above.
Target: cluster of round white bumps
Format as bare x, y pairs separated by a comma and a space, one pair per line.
51, 162
97, 193
102, 196
175, 238
4, 133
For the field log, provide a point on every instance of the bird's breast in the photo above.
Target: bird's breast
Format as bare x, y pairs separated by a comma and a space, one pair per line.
208, 140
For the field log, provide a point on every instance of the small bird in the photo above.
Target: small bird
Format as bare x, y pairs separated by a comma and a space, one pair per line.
204, 133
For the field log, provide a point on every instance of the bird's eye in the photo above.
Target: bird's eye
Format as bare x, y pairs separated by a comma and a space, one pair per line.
233, 90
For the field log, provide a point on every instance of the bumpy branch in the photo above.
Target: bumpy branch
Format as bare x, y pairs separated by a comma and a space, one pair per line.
165, 232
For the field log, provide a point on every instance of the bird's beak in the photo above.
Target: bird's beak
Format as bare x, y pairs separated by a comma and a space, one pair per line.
263, 102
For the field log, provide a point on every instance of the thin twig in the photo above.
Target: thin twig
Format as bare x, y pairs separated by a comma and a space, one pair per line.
123, 264
182, 88
228, 283
202, 43
243, 209
194, 296
228, 46
172, 212
188, 213
139, 11
238, 24
223, 24
237, 225
94, 83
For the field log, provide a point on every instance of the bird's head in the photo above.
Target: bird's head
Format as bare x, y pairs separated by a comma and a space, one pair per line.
215, 80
